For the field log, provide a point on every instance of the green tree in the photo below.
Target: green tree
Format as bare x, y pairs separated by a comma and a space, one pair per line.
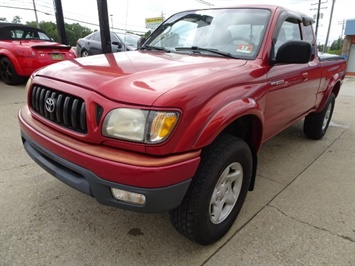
336, 46
320, 47
3, 19
146, 35
74, 31
16, 19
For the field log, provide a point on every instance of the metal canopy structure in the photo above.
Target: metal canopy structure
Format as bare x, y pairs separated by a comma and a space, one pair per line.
103, 22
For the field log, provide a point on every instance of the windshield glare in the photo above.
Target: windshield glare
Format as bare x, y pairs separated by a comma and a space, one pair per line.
235, 31
129, 39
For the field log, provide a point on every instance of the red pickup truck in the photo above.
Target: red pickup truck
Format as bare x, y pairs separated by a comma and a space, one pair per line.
176, 125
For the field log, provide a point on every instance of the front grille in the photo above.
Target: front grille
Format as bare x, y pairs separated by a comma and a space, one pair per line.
61, 108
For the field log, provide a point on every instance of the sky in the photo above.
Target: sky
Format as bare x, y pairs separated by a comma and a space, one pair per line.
131, 14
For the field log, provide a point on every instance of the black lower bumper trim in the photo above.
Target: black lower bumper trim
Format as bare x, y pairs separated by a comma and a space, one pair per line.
157, 199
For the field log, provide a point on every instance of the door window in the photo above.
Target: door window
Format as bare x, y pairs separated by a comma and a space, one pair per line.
97, 37
290, 30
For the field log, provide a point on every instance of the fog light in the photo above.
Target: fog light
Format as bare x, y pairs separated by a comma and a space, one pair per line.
127, 196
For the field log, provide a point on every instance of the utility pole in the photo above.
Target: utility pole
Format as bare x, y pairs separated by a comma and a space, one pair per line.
111, 21
58, 10
319, 15
104, 26
34, 8
342, 23
330, 23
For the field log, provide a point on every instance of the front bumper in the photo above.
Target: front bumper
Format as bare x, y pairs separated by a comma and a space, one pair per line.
163, 184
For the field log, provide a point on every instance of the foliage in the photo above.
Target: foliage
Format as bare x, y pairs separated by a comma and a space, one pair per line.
146, 35
74, 31
3, 19
335, 47
16, 19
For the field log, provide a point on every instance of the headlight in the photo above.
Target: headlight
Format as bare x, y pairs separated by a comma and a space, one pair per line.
139, 125
126, 124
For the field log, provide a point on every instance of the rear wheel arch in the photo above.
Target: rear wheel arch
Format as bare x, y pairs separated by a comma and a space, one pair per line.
333, 89
9, 71
336, 89
9, 55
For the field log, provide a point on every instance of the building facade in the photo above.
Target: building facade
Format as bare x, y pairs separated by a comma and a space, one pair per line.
349, 46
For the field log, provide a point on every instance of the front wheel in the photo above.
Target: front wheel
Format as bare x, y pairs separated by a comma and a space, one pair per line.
316, 124
217, 191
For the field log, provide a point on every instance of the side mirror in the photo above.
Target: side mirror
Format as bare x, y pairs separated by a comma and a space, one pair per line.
119, 45
140, 42
294, 52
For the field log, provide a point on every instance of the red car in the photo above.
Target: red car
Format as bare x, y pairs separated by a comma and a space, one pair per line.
23, 49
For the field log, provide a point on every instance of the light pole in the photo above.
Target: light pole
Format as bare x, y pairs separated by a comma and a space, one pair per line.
111, 21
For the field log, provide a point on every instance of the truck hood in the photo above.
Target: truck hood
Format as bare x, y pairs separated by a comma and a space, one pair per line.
122, 76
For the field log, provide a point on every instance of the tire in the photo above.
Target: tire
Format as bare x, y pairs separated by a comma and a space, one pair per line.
316, 124
217, 191
84, 53
8, 73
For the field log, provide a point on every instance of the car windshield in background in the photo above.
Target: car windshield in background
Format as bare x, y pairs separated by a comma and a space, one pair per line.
129, 39
23, 34
235, 32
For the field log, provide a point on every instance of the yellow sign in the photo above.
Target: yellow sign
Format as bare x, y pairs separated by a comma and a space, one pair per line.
153, 23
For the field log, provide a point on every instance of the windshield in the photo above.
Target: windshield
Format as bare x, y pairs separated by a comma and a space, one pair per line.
236, 32
129, 39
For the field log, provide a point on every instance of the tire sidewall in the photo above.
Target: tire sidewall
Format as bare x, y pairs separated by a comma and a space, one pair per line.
313, 124
241, 154
331, 101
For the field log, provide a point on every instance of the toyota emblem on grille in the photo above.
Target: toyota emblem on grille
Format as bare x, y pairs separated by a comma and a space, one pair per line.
50, 105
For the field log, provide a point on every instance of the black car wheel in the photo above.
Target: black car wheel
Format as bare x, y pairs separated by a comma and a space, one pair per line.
217, 191
8, 73
84, 53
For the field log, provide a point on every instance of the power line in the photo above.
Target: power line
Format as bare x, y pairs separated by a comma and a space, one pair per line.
67, 18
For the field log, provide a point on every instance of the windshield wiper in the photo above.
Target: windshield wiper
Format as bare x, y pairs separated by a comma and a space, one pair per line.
150, 47
198, 49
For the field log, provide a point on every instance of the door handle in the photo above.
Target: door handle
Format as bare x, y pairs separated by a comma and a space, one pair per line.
305, 76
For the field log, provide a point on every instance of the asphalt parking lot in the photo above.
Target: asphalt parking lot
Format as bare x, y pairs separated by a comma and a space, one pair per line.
302, 211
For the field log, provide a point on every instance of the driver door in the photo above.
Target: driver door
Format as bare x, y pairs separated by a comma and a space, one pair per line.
292, 87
